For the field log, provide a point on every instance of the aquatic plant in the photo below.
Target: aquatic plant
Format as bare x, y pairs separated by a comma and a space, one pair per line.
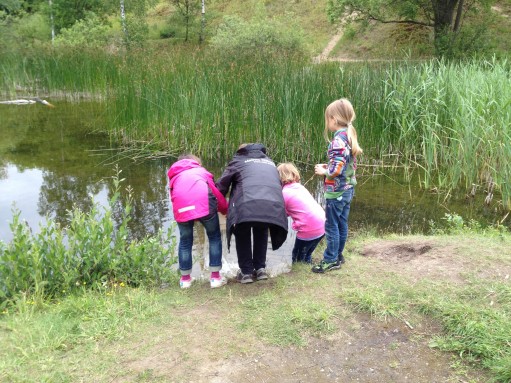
93, 252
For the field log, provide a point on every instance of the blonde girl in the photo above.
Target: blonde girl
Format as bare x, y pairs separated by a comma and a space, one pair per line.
307, 215
339, 180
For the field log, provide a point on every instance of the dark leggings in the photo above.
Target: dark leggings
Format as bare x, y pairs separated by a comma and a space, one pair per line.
250, 257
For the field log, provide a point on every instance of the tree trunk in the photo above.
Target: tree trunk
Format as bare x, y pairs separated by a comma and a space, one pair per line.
459, 13
202, 22
443, 11
123, 23
52, 23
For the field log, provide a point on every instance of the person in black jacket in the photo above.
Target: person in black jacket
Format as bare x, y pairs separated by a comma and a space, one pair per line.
256, 206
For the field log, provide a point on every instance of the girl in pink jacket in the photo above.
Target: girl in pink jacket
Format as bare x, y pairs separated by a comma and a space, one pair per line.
195, 197
307, 215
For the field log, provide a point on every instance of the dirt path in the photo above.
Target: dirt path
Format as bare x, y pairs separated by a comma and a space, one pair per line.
323, 56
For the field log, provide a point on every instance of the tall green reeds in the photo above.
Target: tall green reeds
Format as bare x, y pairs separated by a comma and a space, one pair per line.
452, 121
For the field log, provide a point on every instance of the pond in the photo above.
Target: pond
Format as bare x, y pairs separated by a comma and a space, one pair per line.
54, 159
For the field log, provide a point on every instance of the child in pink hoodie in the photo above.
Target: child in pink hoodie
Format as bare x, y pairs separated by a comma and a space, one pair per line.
307, 215
195, 197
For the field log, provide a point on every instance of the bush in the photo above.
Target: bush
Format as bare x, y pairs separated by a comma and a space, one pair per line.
90, 32
236, 36
167, 33
91, 252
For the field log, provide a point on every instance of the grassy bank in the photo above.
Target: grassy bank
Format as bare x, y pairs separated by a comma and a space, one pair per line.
450, 292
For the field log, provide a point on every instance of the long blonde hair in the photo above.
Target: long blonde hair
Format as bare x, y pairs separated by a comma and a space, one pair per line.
343, 113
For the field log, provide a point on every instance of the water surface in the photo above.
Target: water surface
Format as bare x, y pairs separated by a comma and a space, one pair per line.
54, 159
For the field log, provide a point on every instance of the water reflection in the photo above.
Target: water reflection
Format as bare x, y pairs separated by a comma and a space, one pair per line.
50, 162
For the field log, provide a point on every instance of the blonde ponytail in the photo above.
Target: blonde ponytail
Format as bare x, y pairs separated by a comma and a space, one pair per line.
343, 113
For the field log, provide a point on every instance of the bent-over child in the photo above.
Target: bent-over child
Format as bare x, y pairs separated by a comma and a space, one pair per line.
307, 214
195, 197
256, 206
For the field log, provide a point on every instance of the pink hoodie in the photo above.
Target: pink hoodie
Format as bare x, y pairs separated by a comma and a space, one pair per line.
189, 187
308, 216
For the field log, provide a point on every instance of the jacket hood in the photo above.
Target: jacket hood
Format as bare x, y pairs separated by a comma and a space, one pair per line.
180, 166
251, 147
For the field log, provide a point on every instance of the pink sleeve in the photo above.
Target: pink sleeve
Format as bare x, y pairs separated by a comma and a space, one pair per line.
222, 202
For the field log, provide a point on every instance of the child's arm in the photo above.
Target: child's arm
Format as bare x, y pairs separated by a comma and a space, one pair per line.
222, 202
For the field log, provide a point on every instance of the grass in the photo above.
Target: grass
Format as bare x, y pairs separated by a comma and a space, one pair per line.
114, 327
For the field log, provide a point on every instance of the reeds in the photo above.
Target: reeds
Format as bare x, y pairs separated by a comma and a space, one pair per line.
452, 121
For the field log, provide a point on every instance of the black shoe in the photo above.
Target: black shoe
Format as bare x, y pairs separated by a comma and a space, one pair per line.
325, 266
341, 259
244, 278
261, 274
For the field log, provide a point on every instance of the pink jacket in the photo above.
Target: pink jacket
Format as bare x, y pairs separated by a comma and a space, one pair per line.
307, 215
189, 186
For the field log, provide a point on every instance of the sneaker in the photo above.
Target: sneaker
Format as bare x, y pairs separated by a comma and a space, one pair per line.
341, 259
326, 266
261, 274
244, 278
185, 284
217, 282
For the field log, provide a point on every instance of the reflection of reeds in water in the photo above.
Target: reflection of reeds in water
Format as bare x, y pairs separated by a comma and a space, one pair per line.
449, 122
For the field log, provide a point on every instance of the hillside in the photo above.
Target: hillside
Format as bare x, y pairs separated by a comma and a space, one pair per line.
347, 42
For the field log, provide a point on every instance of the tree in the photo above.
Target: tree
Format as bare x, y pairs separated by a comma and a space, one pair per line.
443, 16
67, 12
187, 9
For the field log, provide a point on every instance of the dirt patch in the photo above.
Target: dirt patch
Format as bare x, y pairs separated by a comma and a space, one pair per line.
204, 344
365, 351
397, 252
418, 260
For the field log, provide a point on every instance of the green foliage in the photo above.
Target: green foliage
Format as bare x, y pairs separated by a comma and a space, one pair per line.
8, 7
67, 12
90, 252
90, 32
441, 16
455, 224
138, 29
238, 37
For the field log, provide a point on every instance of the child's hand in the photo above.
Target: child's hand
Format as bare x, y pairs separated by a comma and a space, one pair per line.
320, 169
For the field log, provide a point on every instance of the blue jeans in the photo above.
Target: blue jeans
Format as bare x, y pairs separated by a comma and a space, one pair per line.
302, 251
212, 226
336, 225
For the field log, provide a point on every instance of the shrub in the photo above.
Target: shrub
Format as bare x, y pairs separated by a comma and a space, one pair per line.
236, 36
90, 32
94, 251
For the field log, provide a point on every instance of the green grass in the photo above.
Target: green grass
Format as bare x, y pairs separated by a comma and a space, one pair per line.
50, 341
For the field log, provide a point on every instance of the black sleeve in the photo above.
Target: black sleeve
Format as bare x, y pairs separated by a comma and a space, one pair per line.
224, 182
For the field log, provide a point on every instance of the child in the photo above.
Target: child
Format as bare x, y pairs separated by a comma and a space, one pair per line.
195, 198
256, 204
340, 180
308, 216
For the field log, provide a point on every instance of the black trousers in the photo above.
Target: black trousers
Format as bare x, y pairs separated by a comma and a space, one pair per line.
250, 257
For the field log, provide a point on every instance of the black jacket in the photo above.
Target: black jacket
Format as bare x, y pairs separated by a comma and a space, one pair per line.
256, 193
